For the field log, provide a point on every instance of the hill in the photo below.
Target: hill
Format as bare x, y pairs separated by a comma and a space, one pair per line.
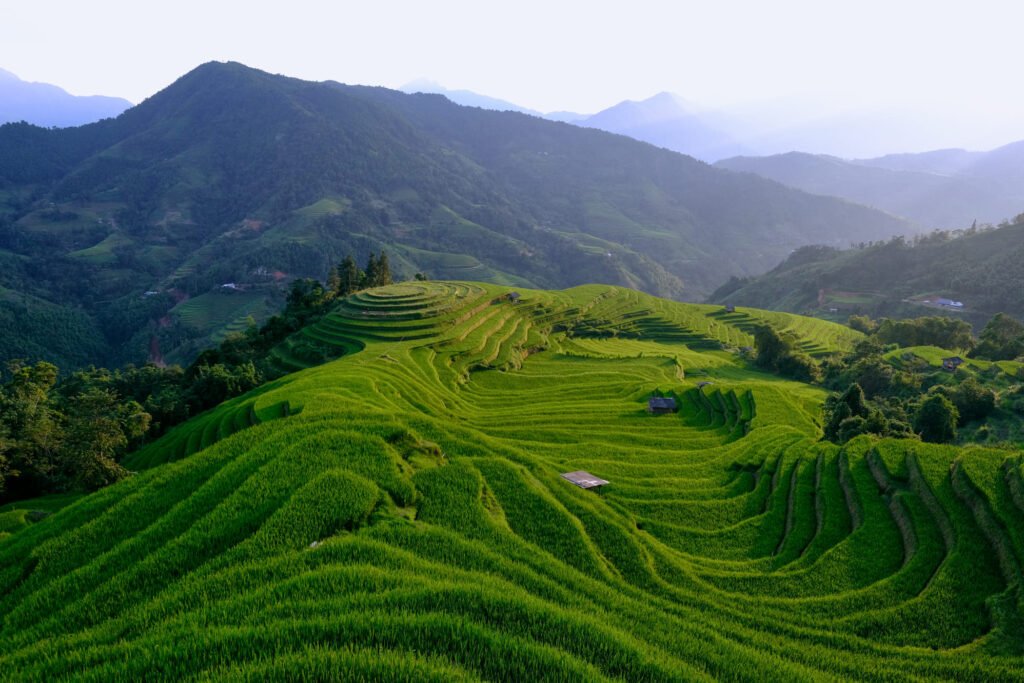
943, 189
979, 268
665, 120
232, 175
399, 514
47, 105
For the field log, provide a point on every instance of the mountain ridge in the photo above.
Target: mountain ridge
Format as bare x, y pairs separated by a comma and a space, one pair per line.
47, 105
231, 173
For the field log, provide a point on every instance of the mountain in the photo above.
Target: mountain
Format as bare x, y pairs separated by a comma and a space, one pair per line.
47, 105
409, 513
665, 120
941, 190
466, 98
231, 176
982, 269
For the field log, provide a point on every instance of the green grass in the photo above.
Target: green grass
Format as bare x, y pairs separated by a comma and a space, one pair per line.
102, 253
398, 514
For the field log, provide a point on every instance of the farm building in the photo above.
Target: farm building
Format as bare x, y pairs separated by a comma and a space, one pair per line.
661, 404
952, 363
585, 480
513, 297
730, 309
949, 303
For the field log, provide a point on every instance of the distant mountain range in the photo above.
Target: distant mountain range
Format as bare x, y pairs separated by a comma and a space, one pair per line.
941, 189
233, 175
47, 105
766, 128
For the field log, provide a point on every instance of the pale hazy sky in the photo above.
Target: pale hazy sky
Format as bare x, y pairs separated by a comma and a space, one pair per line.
953, 58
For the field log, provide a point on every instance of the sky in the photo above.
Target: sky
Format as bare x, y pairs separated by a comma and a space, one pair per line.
956, 63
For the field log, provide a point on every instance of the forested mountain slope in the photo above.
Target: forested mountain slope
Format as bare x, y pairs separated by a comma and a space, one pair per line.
400, 514
235, 176
982, 269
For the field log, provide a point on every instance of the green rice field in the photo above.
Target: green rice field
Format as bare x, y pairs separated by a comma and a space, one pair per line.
399, 514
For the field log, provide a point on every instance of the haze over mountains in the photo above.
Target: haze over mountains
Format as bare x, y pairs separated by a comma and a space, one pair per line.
231, 174
48, 105
763, 128
941, 189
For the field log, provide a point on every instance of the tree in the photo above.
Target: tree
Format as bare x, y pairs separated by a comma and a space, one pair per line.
32, 425
770, 347
1002, 339
383, 270
862, 323
372, 272
935, 419
98, 429
351, 277
842, 407
973, 401
334, 281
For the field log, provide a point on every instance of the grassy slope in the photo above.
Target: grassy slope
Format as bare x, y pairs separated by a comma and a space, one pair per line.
398, 514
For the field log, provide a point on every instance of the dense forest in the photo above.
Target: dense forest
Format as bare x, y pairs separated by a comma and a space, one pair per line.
231, 176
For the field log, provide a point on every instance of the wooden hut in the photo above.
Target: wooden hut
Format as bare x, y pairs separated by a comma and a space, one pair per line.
952, 363
658, 405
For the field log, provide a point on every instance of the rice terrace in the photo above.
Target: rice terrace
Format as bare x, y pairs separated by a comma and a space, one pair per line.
399, 513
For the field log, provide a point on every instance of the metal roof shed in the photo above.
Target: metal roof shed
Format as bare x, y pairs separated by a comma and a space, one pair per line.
585, 480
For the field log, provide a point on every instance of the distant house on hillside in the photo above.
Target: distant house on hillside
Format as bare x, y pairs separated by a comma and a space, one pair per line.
949, 303
952, 363
513, 297
730, 308
661, 404
230, 287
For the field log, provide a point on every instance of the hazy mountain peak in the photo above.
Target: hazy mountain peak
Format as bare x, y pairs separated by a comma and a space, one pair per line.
44, 104
466, 98
424, 85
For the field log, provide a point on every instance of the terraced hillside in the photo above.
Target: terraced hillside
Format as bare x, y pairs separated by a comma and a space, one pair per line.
399, 514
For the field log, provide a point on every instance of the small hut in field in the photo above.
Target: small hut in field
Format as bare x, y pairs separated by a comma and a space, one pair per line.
952, 363
658, 405
585, 480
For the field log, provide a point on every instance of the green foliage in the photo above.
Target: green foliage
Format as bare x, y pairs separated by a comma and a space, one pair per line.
935, 419
1002, 339
862, 323
946, 333
64, 438
781, 354
972, 399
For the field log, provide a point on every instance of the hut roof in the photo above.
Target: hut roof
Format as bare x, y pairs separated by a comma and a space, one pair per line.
663, 402
585, 480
